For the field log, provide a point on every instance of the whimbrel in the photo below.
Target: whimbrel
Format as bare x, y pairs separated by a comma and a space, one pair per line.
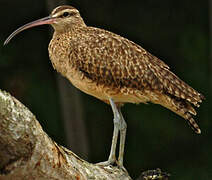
114, 70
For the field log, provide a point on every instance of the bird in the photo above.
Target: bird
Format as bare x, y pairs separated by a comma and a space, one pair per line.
114, 70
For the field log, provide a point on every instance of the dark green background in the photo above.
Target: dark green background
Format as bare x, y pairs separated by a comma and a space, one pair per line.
175, 31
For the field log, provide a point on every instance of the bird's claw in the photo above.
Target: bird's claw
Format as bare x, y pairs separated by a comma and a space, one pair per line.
106, 163
112, 163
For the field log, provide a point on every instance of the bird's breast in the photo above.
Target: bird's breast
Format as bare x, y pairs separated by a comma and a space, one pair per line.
58, 54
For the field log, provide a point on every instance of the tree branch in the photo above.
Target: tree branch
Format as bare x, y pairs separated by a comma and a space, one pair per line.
26, 151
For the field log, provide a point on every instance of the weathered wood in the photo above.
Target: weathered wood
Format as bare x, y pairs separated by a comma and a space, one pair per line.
27, 152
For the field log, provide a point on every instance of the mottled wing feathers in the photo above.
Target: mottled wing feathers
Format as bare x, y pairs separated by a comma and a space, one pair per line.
109, 59
113, 60
108, 56
173, 84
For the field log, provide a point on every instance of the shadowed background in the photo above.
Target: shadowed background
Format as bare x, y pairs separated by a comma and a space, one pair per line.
175, 31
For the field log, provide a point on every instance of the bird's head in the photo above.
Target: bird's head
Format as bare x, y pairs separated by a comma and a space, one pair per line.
62, 18
66, 17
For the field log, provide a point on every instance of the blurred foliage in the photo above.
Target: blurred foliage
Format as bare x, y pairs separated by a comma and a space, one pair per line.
175, 31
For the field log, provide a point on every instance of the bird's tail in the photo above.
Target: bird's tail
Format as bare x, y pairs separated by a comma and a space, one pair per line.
182, 108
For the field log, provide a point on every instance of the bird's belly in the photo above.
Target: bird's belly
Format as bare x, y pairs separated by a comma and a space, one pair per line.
103, 92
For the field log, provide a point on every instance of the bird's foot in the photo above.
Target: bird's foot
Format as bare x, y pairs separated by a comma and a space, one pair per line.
112, 163
106, 163
121, 167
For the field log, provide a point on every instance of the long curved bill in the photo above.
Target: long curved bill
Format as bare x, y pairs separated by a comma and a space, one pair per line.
46, 20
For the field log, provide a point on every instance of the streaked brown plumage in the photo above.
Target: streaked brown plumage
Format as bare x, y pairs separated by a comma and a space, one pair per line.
108, 66
104, 64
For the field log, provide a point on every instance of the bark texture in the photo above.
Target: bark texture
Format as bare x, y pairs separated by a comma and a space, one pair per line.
26, 151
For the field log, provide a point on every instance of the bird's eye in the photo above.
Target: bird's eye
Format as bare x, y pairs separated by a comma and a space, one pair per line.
66, 14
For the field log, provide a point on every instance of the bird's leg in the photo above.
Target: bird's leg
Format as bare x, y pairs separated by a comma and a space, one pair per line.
117, 124
123, 130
